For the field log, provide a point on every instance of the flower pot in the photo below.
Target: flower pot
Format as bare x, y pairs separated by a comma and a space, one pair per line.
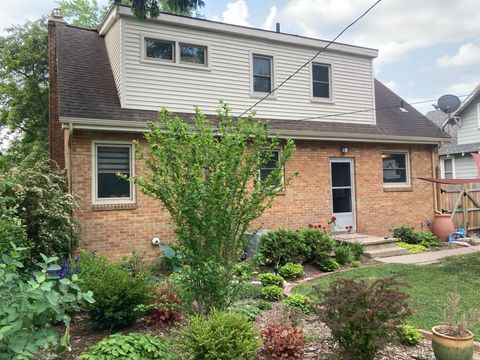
451, 348
442, 226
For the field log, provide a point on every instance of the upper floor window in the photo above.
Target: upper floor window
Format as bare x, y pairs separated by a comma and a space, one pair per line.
193, 54
396, 168
321, 81
158, 49
262, 73
112, 160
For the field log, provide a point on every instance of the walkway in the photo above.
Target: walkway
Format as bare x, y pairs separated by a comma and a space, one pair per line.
428, 257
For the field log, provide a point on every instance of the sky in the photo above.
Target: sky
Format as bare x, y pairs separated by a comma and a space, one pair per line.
426, 48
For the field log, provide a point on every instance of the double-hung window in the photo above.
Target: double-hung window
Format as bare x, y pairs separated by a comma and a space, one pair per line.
262, 73
269, 164
448, 168
321, 81
110, 162
396, 168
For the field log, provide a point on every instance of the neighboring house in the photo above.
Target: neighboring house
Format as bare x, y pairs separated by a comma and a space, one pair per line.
362, 166
456, 160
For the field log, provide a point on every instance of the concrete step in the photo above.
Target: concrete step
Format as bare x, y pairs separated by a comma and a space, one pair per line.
386, 252
372, 242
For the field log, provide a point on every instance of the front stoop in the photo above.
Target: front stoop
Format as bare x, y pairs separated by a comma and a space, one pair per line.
375, 246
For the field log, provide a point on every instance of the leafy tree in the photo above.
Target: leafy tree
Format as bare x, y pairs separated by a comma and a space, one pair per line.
83, 13
144, 8
24, 91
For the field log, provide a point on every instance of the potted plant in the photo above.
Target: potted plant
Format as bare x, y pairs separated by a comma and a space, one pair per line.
453, 340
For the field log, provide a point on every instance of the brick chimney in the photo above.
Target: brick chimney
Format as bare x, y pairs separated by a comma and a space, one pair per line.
55, 131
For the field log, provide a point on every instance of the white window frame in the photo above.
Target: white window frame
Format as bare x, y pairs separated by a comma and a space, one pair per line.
257, 94
279, 151
176, 52
408, 175
331, 99
120, 200
442, 167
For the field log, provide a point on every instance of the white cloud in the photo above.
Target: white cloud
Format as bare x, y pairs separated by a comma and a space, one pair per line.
236, 13
463, 88
17, 12
268, 24
468, 54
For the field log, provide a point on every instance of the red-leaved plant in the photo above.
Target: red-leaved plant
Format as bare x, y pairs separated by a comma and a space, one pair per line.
282, 341
166, 306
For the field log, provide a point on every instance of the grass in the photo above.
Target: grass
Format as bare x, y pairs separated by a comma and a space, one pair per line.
427, 285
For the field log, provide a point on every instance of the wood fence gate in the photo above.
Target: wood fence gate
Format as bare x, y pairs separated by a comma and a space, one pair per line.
462, 201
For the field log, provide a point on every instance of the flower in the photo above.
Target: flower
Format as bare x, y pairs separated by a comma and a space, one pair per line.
333, 219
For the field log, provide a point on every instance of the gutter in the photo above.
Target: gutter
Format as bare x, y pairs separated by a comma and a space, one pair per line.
141, 126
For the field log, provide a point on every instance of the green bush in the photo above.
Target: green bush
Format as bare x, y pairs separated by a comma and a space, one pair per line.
243, 271
248, 309
411, 248
264, 305
118, 292
343, 254
220, 336
427, 239
282, 246
270, 279
273, 293
356, 250
131, 346
328, 264
363, 316
247, 291
301, 302
32, 306
409, 335
405, 233
291, 271
11, 230
318, 244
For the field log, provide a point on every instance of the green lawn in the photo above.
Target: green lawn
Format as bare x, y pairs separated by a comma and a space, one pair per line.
428, 286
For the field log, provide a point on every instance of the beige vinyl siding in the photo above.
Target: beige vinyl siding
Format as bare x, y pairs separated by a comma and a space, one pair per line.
469, 132
150, 85
113, 43
465, 167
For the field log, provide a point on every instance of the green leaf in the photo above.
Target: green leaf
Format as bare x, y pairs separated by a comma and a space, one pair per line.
54, 267
39, 277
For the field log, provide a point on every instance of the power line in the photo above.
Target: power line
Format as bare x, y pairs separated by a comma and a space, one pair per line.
313, 58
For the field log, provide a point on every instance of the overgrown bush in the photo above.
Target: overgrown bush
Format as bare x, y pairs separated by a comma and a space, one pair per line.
270, 279
343, 254
220, 336
118, 293
362, 316
318, 244
131, 346
407, 234
282, 246
291, 270
11, 230
427, 239
282, 341
327, 264
301, 302
273, 292
33, 305
356, 250
44, 209
409, 335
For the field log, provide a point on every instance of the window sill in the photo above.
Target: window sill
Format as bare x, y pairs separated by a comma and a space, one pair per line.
114, 206
262, 95
175, 64
322, 101
397, 189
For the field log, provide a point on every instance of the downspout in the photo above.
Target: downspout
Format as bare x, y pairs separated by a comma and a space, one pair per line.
434, 175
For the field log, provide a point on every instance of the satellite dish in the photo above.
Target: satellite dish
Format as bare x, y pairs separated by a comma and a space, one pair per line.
448, 103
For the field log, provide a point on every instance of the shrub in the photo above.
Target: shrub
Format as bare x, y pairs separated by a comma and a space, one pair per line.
282, 246
291, 270
318, 244
264, 305
249, 310
166, 306
356, 250
117, 292
282, 341
409, 335
136, 264
11, 230
343, 255
328, 264
247, 291
405, 233
220, 336
363, 317
243, 271
270, 279
32, 306
273, 293
131, 346
411, 248
427, 239
301, 302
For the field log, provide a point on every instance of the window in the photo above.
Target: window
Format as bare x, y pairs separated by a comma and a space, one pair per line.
158, 49
321, 81
448, 168
269, 165
262, 73
193, 54
395, 168
110, 161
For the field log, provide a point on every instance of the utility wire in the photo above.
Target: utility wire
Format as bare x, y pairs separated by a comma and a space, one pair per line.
313, 58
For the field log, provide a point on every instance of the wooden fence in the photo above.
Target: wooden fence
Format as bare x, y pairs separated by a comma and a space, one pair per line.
466, 200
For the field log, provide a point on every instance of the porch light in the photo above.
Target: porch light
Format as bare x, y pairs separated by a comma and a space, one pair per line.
344, 150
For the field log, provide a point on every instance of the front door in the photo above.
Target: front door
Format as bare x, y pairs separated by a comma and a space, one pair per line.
343, 198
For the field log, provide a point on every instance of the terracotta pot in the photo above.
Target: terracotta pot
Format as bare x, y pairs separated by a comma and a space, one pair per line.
451, 348
442, 226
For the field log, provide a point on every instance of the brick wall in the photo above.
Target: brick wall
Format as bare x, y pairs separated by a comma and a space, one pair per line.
117, 231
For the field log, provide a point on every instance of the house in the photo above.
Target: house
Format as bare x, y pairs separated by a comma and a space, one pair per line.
456, 161
360, 147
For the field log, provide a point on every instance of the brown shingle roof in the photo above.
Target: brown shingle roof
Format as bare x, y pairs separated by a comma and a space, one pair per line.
87, 90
